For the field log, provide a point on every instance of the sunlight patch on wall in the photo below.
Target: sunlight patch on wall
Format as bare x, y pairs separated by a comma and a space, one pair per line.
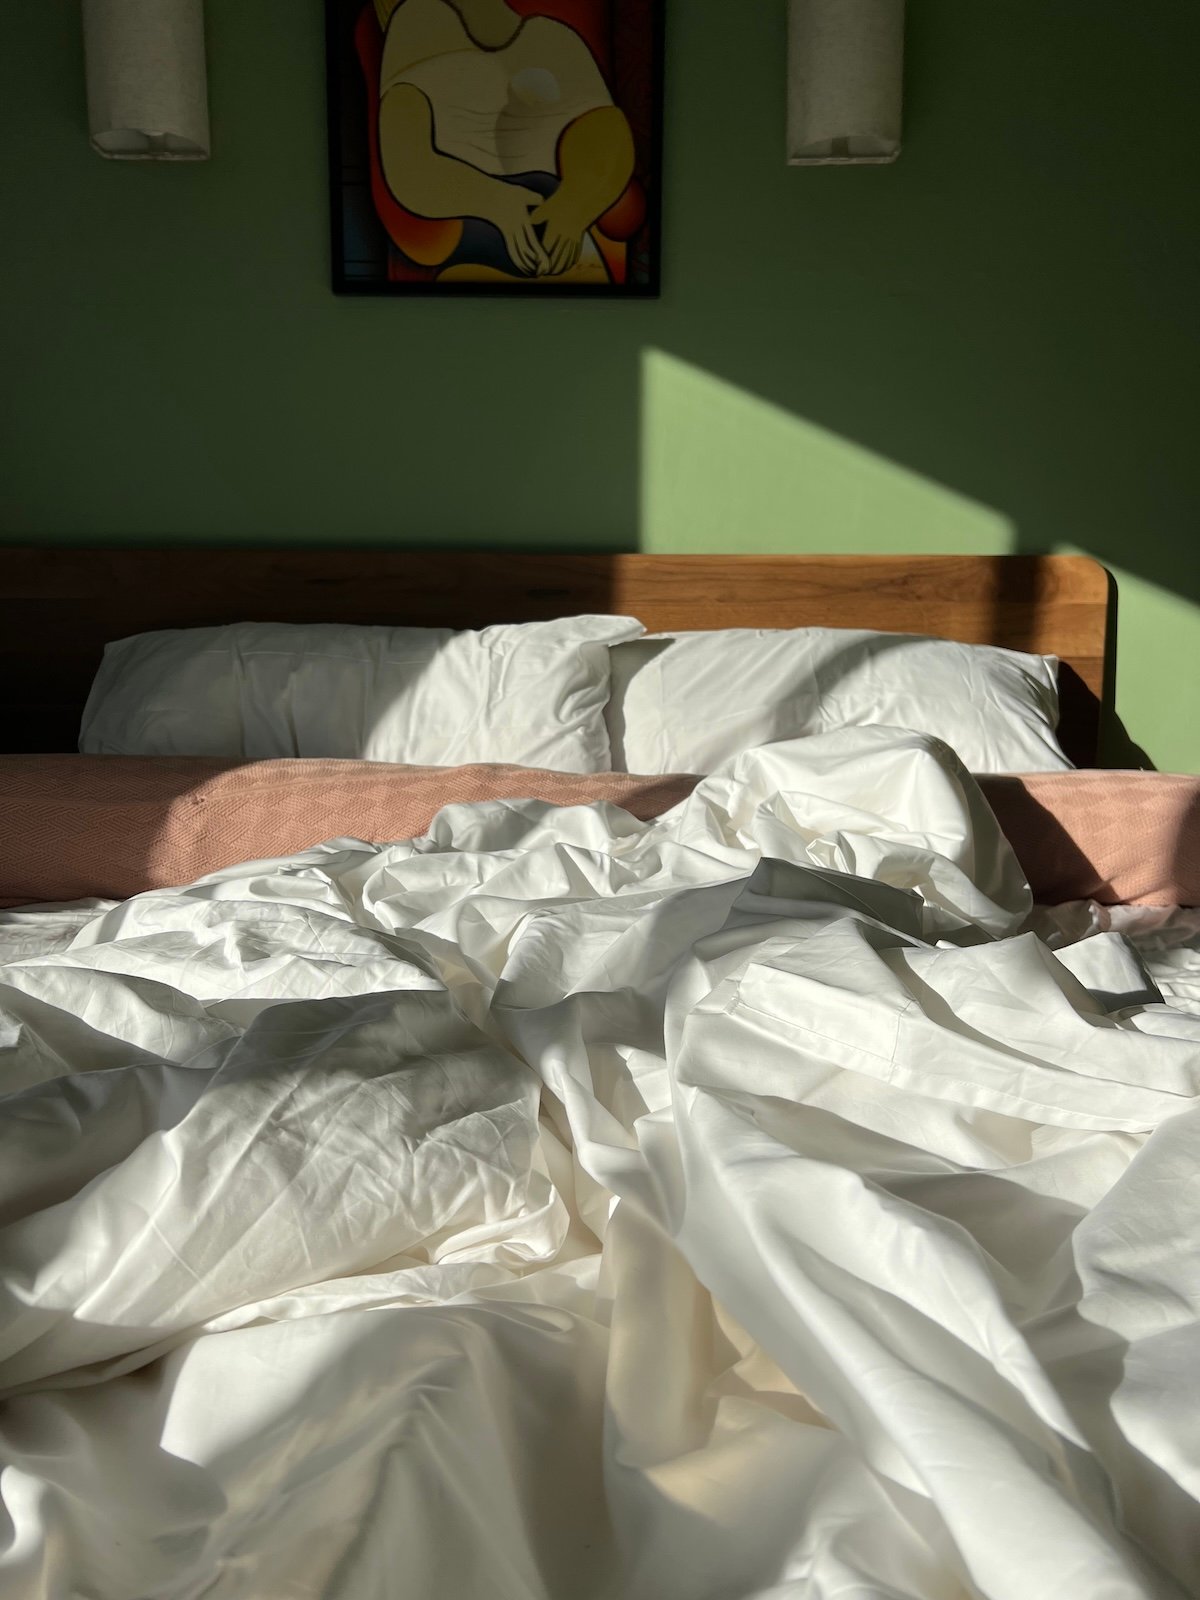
722, 470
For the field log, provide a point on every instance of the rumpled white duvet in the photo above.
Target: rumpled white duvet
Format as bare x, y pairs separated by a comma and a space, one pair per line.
564, 1206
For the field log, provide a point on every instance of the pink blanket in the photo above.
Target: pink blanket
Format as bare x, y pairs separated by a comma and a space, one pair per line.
1122, 838
73, 826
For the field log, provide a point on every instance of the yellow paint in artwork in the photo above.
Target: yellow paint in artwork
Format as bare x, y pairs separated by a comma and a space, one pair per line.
471, 94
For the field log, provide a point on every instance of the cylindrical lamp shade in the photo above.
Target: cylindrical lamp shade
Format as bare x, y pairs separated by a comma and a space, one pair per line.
146, 83
845, 73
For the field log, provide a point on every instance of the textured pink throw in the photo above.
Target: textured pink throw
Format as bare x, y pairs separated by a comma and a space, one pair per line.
72, 826
1122, 838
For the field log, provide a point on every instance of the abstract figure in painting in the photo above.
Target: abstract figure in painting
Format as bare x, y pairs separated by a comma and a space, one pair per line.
500, 153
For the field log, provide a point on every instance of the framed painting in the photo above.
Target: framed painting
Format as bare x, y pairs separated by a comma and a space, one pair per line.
495, 146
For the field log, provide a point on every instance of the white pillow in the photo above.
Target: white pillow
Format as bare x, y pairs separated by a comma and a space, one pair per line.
686, 702
531, 694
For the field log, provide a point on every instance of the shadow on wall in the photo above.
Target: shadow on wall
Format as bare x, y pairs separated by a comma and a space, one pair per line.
723, 470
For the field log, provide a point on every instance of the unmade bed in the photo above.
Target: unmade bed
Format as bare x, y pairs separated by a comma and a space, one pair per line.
599, 1187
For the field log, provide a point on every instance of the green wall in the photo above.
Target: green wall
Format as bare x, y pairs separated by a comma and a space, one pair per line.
990, 345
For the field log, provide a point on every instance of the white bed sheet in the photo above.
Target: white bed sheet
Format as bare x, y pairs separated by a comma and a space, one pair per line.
562, 1206
1166, 938
42, 929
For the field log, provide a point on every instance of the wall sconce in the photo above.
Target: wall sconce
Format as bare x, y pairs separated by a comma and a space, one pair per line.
845, 71
146, 84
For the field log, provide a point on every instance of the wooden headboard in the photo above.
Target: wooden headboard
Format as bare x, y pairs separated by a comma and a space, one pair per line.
59, 607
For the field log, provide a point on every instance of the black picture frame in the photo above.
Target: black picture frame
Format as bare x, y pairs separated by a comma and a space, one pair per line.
367, 257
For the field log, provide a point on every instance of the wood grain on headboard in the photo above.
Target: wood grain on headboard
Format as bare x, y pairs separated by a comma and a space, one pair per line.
59, 607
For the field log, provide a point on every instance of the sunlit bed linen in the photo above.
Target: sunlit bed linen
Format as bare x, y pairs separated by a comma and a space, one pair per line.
562, 1205
1166, 939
